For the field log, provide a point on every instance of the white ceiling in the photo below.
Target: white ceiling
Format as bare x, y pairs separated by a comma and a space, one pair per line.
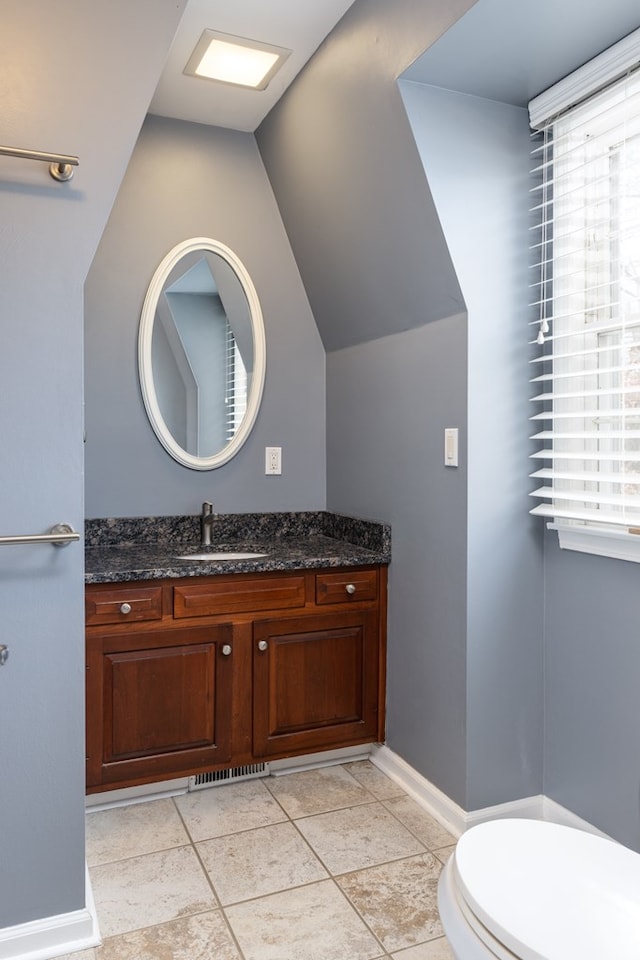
298, 25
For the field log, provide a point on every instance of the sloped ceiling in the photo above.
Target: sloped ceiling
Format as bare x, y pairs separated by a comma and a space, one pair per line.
297, 26
512, 51
342, 161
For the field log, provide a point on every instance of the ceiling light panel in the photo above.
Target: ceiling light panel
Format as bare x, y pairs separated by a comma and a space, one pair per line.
234, 60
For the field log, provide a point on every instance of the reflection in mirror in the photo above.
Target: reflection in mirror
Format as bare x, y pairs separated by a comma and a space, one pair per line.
201, 353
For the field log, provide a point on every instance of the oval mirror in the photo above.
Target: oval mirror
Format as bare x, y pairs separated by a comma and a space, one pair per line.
201, 353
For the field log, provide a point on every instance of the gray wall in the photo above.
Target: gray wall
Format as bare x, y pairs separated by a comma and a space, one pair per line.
388, 402
186, 180
591, 661
465, 679
350, 185
592, 684
542, 678
60, 92
476, 157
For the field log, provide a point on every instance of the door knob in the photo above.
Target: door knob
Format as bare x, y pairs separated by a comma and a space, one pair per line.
226, 650
263, 645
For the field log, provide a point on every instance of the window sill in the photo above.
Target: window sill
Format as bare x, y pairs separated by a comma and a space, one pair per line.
617, 544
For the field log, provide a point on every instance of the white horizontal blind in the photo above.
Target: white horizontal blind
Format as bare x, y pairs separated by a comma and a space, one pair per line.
235, 387
586, 306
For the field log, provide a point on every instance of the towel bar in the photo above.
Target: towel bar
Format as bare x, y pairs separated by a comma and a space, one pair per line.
60, 535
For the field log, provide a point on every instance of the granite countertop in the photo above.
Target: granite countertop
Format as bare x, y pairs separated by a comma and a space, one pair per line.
147, 548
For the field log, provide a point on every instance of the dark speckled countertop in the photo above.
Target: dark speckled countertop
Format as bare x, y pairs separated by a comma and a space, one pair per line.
146, 548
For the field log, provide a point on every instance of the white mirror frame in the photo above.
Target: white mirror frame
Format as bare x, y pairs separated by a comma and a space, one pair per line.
145, 367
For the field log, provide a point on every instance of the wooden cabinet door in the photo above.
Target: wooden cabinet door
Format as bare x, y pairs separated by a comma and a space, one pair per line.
158, 703
315, 682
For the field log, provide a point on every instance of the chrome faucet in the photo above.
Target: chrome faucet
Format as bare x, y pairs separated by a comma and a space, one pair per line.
206, 522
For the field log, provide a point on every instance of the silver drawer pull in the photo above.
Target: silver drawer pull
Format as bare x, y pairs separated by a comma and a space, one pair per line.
4, 654
350, 588
125, 608
226, 650
263, 645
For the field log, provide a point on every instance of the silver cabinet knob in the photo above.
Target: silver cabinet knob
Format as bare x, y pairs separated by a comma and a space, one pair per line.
263, 645
350, 588
226, 649
125, 608
4, 654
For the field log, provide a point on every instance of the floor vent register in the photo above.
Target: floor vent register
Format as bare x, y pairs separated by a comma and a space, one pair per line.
215, 778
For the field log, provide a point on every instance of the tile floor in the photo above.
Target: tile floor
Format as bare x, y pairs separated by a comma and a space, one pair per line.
336, 863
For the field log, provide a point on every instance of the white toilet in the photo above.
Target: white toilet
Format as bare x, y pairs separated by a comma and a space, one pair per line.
532, 890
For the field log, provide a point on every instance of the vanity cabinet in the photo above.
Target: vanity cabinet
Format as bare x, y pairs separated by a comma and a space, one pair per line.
314, 682
207, 672
157, 701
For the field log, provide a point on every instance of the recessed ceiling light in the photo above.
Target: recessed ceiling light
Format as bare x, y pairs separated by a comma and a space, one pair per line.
245, 63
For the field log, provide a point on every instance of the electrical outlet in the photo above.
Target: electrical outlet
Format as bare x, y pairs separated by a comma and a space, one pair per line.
273, 461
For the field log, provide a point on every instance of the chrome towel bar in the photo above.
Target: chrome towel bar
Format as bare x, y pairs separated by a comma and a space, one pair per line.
60, 535
60, 165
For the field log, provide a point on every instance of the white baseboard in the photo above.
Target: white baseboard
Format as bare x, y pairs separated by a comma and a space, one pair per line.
53, 936
434, 801
452, 817
128, 795
528, 808
456, 820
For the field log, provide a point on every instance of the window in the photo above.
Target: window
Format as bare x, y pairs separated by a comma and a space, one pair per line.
587, 308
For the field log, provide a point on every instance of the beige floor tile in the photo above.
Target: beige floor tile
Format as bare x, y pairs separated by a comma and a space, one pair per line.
204, 937
143, 891
398, 900
358, 837
425, 827
317, 791
443, 853
434, 950
228, 809
259, 862
311, 923
133, 831
377, 782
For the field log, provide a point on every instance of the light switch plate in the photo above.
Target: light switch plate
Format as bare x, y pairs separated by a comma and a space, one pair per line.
451, 447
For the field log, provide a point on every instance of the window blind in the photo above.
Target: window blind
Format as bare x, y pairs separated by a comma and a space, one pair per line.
235, 386
586, 310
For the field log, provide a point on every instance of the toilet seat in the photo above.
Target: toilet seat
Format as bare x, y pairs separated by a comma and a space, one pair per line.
540, 891
467, 937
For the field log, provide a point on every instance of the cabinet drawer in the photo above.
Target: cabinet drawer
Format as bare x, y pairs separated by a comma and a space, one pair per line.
123, 604
347, 586
238, 596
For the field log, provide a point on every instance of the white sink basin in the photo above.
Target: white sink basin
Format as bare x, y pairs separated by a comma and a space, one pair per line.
226, 555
